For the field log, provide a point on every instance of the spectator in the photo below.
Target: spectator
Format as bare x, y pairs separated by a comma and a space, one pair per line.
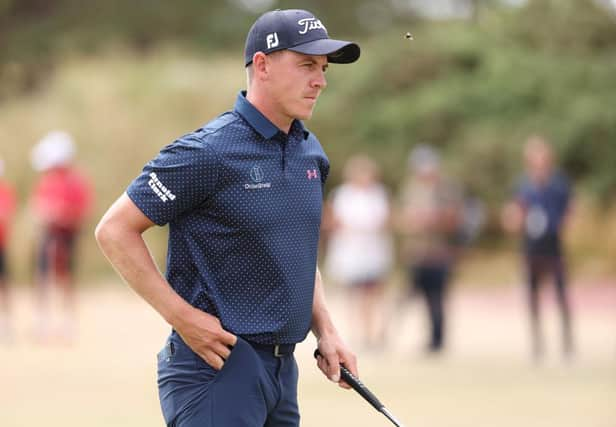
538, 211
61, 201
7, 208
430, 223
359, 254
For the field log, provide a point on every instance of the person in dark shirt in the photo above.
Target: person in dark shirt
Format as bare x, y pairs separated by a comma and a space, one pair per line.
539, 211
242, 197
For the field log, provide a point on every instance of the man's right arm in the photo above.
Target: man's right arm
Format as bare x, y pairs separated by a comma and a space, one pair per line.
119, 235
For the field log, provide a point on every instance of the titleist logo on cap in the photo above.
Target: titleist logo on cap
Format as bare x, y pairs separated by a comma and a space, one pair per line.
309, 24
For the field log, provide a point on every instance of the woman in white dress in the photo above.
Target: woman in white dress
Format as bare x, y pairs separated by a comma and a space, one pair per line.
359, 248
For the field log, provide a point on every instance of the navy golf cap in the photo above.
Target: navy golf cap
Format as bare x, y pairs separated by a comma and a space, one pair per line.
297, 30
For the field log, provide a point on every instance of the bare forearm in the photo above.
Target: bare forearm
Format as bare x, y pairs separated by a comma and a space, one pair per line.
333, 350
321, 320
130, 257
119, 235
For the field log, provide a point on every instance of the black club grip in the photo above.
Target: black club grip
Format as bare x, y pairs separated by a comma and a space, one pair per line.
357, 385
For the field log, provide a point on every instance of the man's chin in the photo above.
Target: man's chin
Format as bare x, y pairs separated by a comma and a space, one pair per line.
304, 115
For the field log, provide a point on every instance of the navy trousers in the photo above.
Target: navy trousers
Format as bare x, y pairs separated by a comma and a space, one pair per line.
253, 389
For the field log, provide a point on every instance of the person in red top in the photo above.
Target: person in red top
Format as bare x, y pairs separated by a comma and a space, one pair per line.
7, 208
61, 201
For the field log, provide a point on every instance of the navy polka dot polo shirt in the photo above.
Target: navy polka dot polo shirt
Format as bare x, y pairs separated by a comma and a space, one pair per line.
243, 204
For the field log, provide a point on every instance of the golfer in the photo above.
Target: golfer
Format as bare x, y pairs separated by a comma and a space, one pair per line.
242, 196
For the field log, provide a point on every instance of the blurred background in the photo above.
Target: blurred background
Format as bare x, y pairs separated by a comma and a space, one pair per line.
460, 94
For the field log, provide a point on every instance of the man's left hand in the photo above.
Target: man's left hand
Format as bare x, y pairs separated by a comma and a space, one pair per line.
333, 353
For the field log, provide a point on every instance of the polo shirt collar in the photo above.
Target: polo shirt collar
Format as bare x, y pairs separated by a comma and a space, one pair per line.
259, 122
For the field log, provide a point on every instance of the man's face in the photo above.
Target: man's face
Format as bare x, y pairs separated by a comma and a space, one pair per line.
539, 163
295, 82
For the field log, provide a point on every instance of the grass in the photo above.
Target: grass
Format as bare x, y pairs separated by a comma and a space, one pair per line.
485, 379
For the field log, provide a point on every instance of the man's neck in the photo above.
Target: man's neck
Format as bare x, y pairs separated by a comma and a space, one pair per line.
279, 120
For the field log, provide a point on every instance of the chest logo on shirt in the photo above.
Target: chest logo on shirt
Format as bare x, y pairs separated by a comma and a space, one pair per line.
256, 173
312, 173
257, 176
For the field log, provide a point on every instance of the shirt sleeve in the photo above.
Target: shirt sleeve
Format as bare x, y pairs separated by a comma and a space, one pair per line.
324, 169
179, 179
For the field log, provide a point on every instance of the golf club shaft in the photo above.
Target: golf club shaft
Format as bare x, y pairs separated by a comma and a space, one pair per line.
391, 417
364, 392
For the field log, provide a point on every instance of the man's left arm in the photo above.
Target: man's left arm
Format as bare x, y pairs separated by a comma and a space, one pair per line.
333, 350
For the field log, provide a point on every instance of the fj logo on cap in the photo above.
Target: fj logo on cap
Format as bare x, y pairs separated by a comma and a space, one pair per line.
272, 40
309, 24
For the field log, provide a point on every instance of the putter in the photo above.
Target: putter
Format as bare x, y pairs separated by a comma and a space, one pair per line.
363, 391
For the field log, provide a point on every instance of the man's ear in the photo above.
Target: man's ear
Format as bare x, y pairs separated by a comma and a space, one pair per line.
259, 65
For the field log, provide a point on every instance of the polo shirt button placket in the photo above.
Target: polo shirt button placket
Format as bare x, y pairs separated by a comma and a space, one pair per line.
283, 140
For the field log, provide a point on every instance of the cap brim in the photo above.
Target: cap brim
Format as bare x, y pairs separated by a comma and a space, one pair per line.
337, 51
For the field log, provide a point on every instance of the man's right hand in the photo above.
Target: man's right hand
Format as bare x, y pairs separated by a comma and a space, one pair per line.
204, 334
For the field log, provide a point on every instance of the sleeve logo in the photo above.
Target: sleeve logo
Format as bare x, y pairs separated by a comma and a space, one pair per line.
159, 189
